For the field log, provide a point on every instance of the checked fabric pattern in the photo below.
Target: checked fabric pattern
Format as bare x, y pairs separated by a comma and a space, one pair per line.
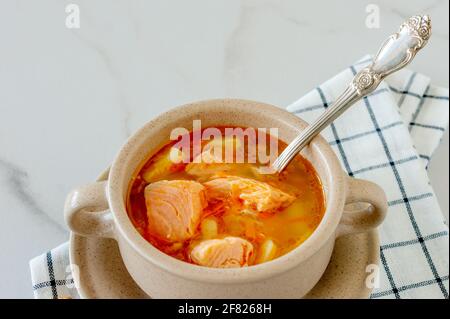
51, 274
387, 138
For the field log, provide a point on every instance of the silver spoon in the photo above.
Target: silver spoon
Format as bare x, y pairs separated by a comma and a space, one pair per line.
395, 53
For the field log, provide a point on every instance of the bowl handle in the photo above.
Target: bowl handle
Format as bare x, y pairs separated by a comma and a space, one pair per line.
87, 211
363, 217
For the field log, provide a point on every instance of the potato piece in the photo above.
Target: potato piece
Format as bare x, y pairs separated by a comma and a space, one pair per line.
226, 141
267, 251
162, 164
298, 209
298, 227
209, 228
230, 143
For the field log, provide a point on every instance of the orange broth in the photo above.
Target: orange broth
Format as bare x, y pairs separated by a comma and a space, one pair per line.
287, 228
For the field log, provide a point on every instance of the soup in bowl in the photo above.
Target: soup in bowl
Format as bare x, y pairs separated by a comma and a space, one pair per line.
203, 209
178, 223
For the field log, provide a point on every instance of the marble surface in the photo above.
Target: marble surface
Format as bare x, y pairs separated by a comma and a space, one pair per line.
70, 97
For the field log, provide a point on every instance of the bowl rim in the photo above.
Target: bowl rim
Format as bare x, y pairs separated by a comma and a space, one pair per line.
321, 235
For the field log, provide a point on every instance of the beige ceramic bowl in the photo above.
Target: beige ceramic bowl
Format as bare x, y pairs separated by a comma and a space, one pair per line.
99, 209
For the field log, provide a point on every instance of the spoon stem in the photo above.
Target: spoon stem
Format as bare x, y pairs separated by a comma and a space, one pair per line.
395, 53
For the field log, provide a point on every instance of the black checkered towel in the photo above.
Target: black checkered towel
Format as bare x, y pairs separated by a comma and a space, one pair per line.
387, 138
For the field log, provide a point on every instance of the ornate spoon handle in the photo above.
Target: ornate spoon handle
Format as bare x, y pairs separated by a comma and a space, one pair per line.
395, 53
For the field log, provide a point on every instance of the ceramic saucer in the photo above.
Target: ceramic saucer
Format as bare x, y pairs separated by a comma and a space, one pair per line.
102, 273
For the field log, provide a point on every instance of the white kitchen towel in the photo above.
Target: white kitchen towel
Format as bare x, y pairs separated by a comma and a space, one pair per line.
387, 138
51, 274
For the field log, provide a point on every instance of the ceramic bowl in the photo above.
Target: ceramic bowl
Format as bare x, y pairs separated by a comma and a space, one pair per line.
99, 209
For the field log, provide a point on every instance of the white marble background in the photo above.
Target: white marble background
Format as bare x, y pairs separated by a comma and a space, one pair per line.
69, 98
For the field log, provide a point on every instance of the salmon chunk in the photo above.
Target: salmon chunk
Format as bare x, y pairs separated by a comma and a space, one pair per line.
256, 196
174, 208
229, 252
217, 156
208, 165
